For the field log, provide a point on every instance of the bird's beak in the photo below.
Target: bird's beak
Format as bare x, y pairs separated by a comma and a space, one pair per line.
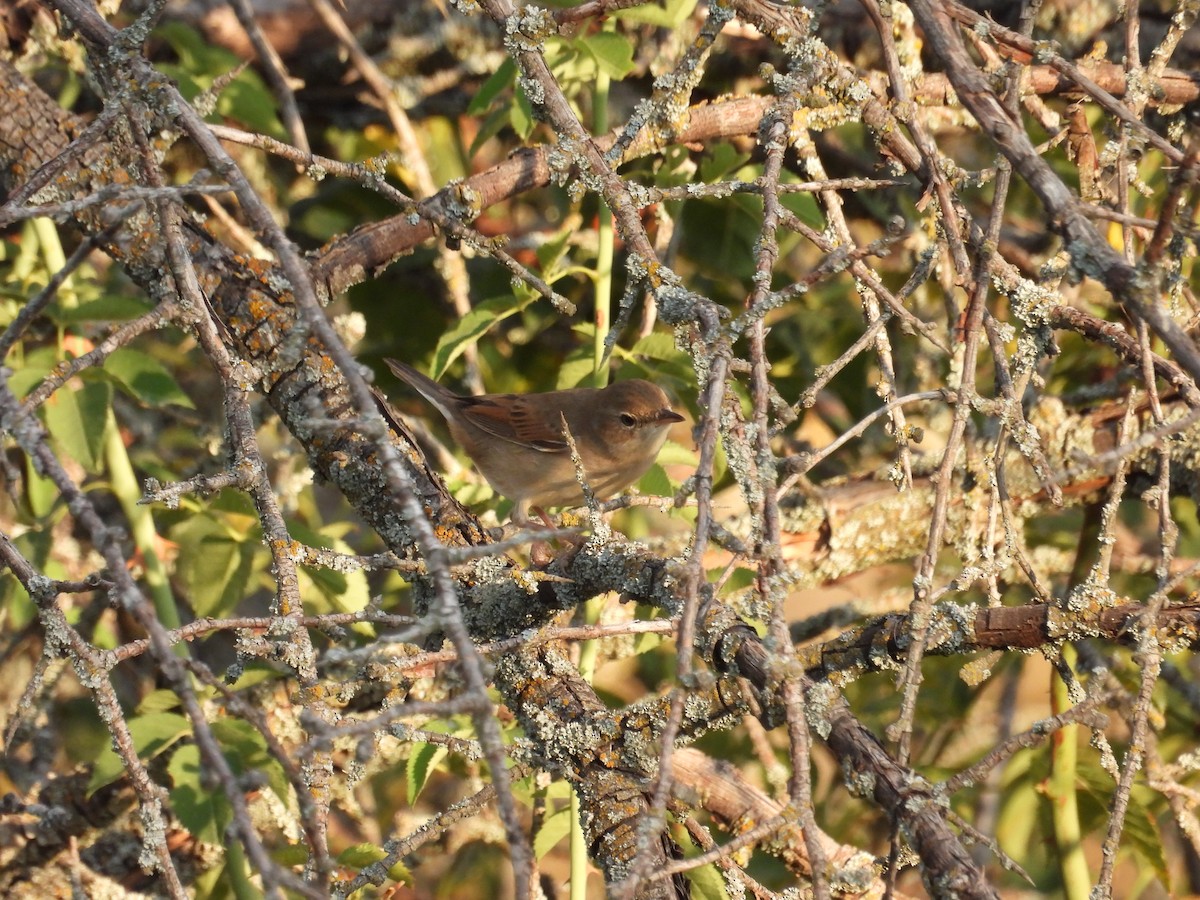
668, 415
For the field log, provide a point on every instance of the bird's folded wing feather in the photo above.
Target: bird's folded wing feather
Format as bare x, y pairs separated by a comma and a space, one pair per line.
512, 418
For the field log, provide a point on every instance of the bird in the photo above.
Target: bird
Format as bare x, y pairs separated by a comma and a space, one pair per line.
518, 443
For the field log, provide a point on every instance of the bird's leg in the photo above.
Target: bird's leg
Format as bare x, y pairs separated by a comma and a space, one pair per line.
541, 553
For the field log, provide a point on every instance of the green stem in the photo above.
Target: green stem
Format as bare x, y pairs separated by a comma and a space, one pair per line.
602, 283
588, 651
141, 526
606, 243
1061, 789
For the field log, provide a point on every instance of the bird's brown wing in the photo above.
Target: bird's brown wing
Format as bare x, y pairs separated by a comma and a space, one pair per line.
514, 418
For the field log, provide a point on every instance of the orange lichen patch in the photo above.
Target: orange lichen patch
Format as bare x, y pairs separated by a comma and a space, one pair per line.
260, 310
290, 548
261, 268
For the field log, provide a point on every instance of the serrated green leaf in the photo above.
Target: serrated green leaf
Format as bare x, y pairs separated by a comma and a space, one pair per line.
152, 733
421, 765
145, 379
399, 873
613, 52
555, 827
78, 420
470, 328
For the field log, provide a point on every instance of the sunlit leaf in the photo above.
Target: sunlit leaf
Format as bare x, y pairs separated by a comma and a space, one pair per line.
78, 420
145, 378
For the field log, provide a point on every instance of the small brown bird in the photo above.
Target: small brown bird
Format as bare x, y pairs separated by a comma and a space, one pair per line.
517, 442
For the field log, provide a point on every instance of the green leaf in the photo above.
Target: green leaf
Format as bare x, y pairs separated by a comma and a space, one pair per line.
203, 811
247, 100
521, 115
720, 237
107, 308
145, 379
470, 328
719, 160
707, 881
36, 366
576, 369
152, 734
339, 591
158, 701
551, 253
214, 565
291, 854
503, 77
655, 482
805, 207
40, 492
246, 749
78, 420
1141, 833
421, 765
667, 14
738, 580
658, 345
673, 454
555, 827
36, 545
613, 52
359, 856
1146, 841
492, 126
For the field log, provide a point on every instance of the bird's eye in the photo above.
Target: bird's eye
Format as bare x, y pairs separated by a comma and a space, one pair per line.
627, 420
